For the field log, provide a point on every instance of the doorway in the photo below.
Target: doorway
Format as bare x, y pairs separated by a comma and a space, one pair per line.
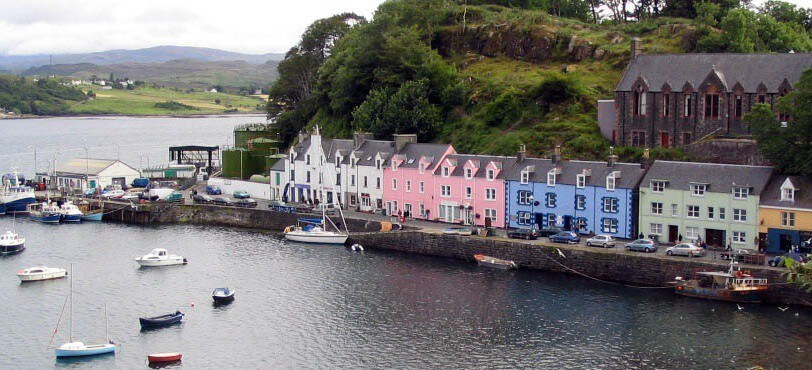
673, 233
665, 139
715, 237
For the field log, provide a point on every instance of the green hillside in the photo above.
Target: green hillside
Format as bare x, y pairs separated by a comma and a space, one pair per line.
164, 101
489, 77
41, 97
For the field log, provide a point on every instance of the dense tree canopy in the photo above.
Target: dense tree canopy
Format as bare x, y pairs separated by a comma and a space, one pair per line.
43, 97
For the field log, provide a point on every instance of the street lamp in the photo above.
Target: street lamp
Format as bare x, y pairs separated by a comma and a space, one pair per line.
532, 211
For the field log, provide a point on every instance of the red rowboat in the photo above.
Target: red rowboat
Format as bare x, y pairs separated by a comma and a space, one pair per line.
165, 357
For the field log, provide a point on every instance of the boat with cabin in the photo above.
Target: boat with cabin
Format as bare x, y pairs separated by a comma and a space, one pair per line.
38, 273
70, 212
47, 213
493, 262
733, 285
160, 257
15, 197
311, 230
11, 242
222, 295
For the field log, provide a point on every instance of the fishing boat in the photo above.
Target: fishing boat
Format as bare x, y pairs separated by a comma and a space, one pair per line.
164, 357
222, 295
78, 349
160, 257
733, 285
38, 273
70, 212
14, 196
311, 230
494, 262
10, 242
47, 213
93, 215
163, 320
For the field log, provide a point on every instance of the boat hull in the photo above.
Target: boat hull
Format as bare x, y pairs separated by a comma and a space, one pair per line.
304, 237
93, 216
158, 321
80, 351
42, 276
72, 218
46, 218
165, 357
496, 265
18, 204
163, 262
492, 262
11, 249
747, 296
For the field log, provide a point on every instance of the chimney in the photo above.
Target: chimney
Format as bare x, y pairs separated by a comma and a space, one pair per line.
522, 154
637, 47
402, 139
302, 136
359, 138
612, 157
557, 154
646, 158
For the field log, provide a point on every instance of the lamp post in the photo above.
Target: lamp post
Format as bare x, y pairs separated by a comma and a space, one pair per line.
532, 211
87, 169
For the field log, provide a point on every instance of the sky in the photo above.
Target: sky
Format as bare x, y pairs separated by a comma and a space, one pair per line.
253, 27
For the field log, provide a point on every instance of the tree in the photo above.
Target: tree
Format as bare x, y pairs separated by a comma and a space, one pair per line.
786, 12
739, 27
404, 111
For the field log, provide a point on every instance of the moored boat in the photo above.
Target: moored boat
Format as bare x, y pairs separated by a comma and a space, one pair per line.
69, 212
93, 216
165, 357
45, 213
79, 349
311, 231
730, 286
222, 295
11, 243
163, 320
160, 257
14, 196
494, 262
38, 273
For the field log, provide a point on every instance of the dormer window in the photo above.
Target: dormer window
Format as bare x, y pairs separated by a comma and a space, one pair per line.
698, 190
446, 171
580, 181
551, 178
657, 186
525, 177
787, 191
469, 173
491, 174
307, 159
611, 180
740, 192
291, 157
422, 168
378, 164
394, 165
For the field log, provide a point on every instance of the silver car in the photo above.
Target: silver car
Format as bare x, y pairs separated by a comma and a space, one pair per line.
685, 249
606, 241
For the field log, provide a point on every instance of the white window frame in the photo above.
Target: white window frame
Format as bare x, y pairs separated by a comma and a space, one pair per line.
551, 178
711, 213
609, 225
788, 219
524, 197
408, 186
469, 192
580, 181
421, 187
394, 184
551, 200
722, 214
469, 173
788, 194
656, 228
610, 205
674, 210
525, 177
580, 202
692, 211
611, 181
739, 237
446, 171
491, 213
698, 190
490, 193
657, 186
740, 192
739, 215
692, 232
422, 167
490, 174
445, 191
656, 208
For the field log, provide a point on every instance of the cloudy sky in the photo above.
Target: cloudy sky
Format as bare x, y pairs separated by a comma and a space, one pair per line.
76, 26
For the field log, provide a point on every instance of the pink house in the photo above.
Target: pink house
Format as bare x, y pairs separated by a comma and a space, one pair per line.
470, 189
409, 178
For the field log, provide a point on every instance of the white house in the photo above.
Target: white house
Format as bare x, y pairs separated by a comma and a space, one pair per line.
81, 174
313, 174
363, 171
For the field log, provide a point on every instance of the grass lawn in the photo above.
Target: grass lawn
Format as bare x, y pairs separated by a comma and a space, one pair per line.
142, 102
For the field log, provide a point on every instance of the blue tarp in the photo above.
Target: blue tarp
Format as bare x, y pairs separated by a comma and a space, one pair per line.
315, 221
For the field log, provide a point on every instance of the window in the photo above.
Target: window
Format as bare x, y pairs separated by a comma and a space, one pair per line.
657, 186
787, 194
524, 197
490, 194
307, 159
445, 191
739, 237
692, 232
640, 103
551, 219
609, 225
688, 109
550, 200
610, 181
307, 176
638, 138
394, 165
610, 205
422, 168
469, 192
712, 105
656, 229
580, 202
525, 177
469, 173
352, 180
420, 187
580, 223
580, 181
674, 210
377, 183
739, 215
686, 138
666, 105
692, 211
656, 208
721, 213
737, 106
291, 157
551, 178
394, 184
408, 186
762, 99
698, 190
491, 214
525, 218
446, 171
491, 175
740, 193
710, 213
422, 210
788, 219
366, 183
378, 163
338, 179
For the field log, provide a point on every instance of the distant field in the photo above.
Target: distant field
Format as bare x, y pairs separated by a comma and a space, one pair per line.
142, 102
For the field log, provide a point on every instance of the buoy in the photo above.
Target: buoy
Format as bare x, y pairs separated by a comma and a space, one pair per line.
193, 304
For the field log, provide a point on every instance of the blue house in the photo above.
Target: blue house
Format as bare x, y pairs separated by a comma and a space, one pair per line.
582, 196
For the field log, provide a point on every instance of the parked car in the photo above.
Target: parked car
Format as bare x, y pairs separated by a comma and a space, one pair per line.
241, 194
246, 203
113, 194
223, 201
175, 197
685, 249
202, 198
280, 206
606, 241
213, 190
527, 234
780, 261
547, 231
328, 208
642, 245
131, 195
565, 237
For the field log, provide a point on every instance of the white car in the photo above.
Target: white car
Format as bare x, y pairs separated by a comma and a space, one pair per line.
606, 241
131, 195
114, 194
685, 249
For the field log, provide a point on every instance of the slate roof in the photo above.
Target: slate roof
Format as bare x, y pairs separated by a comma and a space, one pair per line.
414, 151
279, 165
90, 166
721, 178
630, 173
335, 146
749, 70
366, 153
484, 160
803, 193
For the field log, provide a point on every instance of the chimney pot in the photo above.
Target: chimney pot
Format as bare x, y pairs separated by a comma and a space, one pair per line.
402, 139
522, 154
636, 47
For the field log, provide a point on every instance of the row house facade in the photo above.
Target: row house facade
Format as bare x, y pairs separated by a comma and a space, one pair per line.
409, 180
717, 203
586, 197
311, 176
363, 170
675, 99
785, 215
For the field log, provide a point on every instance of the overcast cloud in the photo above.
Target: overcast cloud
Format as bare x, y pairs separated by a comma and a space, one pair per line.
255, 27
78, 26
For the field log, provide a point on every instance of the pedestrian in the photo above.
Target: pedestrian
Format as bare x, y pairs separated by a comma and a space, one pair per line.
729, 245
679, 238
640, 236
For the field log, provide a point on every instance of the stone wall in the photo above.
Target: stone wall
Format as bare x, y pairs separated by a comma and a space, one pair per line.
732, 151
637, 269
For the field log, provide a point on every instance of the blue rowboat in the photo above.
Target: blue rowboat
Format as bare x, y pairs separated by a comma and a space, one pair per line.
163, 320
93, 216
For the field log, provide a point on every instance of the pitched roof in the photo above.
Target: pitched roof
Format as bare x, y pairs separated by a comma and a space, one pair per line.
720, 178
749, 70
370, 148
335, 146
279, 165
414, 151
484, 160
803, 193
88, 166
630, 173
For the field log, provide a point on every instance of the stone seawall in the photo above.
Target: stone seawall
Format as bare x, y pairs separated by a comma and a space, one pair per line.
636, 269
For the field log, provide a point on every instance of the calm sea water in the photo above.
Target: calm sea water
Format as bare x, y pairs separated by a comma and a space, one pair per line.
300, 306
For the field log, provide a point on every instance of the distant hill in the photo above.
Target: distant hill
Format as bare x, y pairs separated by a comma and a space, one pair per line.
177, 73
148, 55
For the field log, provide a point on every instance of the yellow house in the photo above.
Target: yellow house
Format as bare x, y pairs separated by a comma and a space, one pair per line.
785, 215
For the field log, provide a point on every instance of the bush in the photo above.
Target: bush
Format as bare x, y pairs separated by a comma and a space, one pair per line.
504, 110
174, 106
559, 88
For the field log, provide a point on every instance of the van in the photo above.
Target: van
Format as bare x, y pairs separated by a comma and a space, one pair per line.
160, 193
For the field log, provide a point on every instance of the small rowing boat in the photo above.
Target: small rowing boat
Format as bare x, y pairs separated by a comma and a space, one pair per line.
165, 357
494, 262
163, 320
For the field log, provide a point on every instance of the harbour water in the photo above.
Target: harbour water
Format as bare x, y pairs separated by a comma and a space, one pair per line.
301, 306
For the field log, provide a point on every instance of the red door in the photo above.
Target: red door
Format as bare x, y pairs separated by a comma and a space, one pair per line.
665, 140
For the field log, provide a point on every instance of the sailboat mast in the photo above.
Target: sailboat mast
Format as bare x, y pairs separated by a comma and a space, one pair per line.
106, 325
70, 317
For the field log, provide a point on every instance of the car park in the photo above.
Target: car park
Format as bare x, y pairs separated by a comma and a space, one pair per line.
565, 237
213, 190
606, 241
202, 198
241, 194
527, 234
113, 194
642, 245
223, 201
781, 261
685, 249
245, 203
547, 231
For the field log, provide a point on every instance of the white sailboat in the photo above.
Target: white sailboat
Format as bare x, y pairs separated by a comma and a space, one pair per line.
76, 348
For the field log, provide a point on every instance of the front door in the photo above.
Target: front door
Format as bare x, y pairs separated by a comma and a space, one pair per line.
567, 222
715, 237
665, 139
469, 216
449, 213
785, 242
673, 233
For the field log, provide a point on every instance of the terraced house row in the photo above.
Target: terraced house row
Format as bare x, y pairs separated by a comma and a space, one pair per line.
720, 204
